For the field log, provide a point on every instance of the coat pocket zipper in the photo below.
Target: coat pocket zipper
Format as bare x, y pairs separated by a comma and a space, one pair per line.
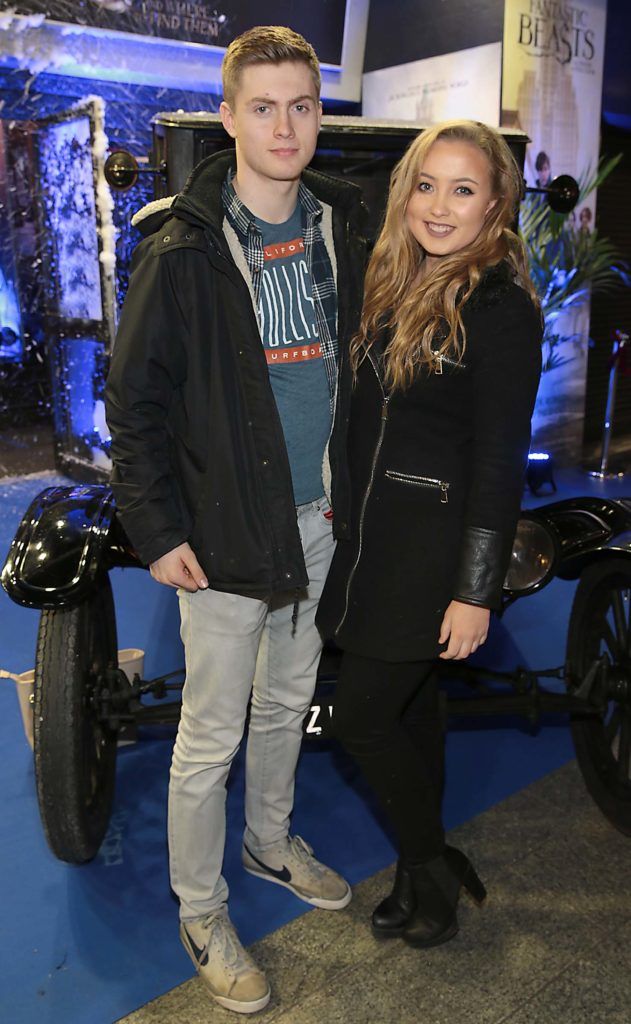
421, 481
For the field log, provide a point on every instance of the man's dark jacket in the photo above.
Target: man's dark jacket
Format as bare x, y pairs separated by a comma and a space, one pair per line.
197, 445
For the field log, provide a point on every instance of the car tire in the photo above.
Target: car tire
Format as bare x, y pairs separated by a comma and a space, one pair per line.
600, 622
75, 753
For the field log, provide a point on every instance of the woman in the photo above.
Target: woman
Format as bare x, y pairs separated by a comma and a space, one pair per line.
428, 458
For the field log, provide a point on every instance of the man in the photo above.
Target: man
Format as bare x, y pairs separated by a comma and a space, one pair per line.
220, 401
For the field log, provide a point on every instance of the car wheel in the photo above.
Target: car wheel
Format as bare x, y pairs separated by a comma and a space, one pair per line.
75, 752
600, 625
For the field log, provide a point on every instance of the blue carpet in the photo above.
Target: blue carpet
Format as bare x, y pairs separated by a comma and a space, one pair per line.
88, 945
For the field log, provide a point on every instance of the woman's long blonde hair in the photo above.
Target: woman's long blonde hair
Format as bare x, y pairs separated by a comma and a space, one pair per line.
424, 314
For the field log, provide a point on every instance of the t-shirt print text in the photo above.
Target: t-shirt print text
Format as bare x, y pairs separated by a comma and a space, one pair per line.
286, 305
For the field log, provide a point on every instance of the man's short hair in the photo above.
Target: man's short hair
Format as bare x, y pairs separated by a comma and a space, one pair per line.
266, 44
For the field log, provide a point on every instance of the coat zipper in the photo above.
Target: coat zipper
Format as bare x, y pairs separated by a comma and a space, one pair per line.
448, 360
371, 479
421, 481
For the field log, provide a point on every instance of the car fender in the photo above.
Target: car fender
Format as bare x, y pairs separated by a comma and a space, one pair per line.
67, 538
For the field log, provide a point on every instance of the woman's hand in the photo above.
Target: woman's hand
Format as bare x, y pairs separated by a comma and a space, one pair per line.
465, 626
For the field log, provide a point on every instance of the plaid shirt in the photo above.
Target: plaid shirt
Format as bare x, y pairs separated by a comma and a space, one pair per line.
318, 265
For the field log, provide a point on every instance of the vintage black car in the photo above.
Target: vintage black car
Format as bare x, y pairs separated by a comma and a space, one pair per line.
70, 538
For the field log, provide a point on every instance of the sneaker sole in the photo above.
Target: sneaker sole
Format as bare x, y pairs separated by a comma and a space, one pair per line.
314, 901
236, 1005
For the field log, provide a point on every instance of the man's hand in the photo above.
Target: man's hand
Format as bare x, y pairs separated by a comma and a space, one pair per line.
179, 568
465, 626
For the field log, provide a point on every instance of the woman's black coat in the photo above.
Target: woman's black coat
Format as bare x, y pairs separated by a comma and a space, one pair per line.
427, 500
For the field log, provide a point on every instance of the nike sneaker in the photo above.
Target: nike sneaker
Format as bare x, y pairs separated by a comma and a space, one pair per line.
225, 967
291, 863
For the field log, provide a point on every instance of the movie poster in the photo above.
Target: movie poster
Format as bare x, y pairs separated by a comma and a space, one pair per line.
551, 89
461, 84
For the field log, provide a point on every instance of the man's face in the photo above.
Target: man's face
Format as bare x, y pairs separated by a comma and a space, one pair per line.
275, 119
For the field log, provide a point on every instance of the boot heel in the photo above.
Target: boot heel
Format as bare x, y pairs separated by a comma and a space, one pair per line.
473, 885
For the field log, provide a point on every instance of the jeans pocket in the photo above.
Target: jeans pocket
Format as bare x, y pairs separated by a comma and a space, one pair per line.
325, 509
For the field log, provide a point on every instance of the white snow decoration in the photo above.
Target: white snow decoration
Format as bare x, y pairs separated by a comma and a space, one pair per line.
6, 18
28, 47
26, 21
104, 205
65, 164
72, 30
99, 420
115, 5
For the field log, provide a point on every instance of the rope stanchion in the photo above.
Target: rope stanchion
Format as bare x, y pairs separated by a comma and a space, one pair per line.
619, 363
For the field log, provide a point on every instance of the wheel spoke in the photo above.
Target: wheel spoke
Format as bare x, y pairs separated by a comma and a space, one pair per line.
612, 726
607, 635
624, 748
620, 621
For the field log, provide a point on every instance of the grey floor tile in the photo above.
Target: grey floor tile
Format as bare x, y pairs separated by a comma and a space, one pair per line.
590, 991
509, 833
549, 946
186, 1004
527, 934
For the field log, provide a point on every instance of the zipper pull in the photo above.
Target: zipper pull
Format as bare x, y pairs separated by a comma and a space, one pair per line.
438, 365
384, 408
444, 494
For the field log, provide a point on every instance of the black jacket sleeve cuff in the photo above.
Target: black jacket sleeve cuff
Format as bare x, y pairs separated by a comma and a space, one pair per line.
482, 568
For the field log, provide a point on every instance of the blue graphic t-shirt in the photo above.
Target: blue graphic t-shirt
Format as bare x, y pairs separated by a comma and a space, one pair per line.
293, 352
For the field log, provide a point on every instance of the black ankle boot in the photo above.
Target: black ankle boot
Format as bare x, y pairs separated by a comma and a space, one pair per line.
436, 886
391, 916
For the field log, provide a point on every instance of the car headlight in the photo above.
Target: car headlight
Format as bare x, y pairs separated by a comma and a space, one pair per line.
532, 559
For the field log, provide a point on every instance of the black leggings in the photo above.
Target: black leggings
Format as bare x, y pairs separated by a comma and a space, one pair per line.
387, 715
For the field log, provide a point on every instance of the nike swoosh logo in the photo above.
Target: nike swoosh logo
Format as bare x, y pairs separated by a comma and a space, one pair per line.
201, 955
283, 876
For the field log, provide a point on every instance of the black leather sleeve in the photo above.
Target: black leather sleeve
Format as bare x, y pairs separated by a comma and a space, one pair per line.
481, 568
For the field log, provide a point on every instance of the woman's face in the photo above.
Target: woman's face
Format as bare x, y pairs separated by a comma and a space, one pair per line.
447, 209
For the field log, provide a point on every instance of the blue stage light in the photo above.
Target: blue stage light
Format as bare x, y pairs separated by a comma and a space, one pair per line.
539, 472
